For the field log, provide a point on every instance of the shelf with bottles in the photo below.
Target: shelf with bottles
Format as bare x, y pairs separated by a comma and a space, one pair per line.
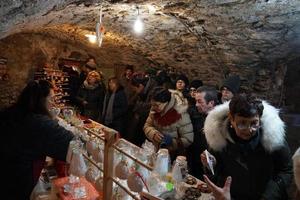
119, 169
60, 81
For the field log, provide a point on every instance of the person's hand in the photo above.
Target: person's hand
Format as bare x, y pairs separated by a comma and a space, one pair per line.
220, 193
166, 141
204, 159
157, 137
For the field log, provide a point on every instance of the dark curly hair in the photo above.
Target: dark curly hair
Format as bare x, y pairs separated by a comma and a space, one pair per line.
246, 105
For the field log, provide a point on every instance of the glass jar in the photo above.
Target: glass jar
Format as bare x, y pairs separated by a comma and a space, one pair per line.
162, 163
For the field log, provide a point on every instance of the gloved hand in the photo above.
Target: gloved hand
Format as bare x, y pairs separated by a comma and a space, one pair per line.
166, 141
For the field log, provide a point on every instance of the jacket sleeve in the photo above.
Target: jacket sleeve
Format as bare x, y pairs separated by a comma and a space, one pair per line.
102, 93
149, 128
54, 138
80, 95
185, 130
277, 187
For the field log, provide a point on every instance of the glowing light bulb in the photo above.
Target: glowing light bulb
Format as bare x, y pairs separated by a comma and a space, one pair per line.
91, 38
138, 25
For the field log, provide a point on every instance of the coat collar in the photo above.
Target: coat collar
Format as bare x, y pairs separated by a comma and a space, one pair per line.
216, 133
178, 102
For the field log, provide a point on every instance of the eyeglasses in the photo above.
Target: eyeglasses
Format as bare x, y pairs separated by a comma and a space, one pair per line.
253, 126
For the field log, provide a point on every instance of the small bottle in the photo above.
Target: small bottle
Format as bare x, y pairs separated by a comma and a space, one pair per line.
182, 163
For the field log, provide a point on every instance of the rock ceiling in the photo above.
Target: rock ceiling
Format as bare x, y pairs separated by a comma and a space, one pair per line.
200, 36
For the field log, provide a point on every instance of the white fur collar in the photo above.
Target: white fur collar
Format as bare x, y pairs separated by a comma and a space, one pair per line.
178, 102
215, 127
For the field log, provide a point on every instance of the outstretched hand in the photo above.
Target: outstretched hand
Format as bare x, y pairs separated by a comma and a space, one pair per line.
220, 193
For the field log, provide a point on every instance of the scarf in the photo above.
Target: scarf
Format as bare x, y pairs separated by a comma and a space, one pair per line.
171, 117
89, 86
246, 146
107, 113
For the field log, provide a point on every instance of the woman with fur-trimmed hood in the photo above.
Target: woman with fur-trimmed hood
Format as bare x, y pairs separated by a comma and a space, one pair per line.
168, 124
250, 155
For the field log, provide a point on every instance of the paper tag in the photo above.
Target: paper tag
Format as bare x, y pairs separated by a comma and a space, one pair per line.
209, 161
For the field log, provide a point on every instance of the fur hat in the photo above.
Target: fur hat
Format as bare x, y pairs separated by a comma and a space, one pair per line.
183, 78
196, 83
232, 83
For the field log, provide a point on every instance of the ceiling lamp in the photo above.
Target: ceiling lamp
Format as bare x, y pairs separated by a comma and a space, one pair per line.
138, 26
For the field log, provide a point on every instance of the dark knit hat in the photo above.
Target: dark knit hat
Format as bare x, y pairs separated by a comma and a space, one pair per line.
196, 83
183, 78
161, 94
139, 78
232, 83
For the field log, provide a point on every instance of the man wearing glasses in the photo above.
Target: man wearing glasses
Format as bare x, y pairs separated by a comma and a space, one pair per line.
206, 99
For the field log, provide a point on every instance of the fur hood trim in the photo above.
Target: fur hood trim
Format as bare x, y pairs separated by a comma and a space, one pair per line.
216, 133
178, 102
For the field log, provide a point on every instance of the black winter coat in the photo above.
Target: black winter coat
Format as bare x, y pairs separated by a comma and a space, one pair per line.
261, 167
25, 143
256, 173
120, 107
94, 98
199, 144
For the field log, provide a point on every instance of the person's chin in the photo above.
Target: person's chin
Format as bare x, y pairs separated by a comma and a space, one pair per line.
157, 111
246, 137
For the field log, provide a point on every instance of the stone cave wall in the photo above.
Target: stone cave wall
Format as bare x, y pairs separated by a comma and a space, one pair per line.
26, 52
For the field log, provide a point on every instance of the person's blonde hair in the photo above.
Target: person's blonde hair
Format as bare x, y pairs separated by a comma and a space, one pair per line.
94, 74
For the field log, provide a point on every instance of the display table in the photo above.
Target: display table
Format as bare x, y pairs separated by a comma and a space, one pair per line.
101, 148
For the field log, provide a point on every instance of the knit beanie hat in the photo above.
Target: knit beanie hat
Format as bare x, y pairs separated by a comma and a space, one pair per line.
183, 78
196, 83
232, 83
161, 94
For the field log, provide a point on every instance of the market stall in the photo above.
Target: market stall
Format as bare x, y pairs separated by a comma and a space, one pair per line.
103, 166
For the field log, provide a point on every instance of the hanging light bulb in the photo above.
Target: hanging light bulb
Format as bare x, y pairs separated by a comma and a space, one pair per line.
91, 38
138, 26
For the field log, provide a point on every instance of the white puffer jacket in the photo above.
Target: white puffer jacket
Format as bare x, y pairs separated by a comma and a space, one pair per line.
181, 127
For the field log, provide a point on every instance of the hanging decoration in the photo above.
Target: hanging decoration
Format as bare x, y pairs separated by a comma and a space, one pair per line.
100, 29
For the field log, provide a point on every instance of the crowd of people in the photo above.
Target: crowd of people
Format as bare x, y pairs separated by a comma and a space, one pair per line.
235, 142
